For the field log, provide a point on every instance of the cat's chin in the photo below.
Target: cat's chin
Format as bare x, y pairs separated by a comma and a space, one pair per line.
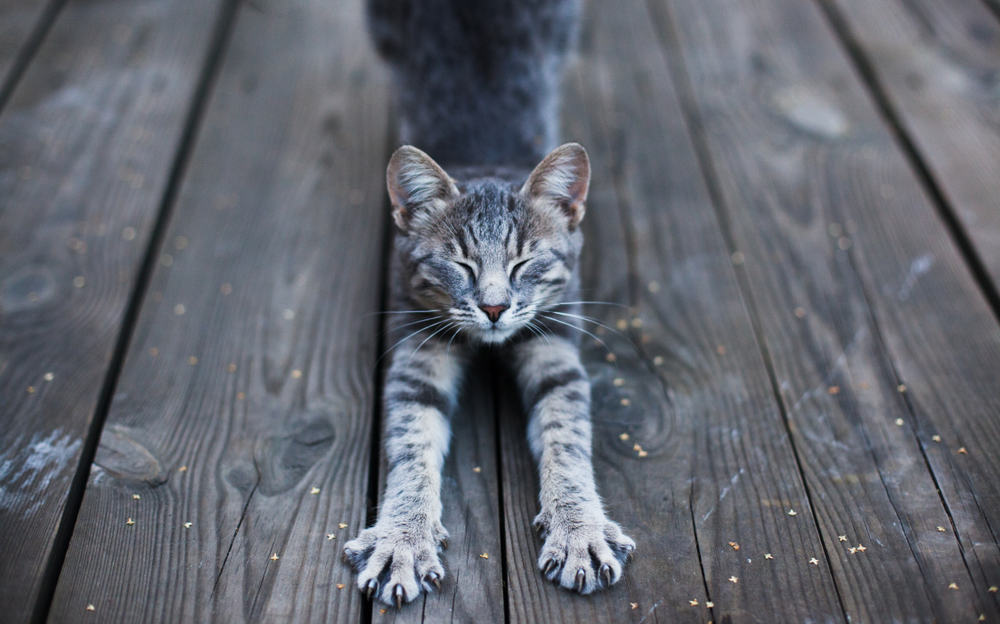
495, 335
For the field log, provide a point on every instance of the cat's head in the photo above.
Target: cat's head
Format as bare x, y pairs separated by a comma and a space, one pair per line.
486, 255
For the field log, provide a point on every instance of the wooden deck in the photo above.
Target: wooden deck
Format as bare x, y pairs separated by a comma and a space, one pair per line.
797, 416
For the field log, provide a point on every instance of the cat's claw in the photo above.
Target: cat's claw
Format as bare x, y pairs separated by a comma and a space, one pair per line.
394, 566
583, 557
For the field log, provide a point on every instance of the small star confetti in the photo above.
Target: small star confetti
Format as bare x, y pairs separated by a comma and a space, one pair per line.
658, 360
792, 512
231, 368
274, 557
296, 373
862, 548
622, 324
992, 589
693, 602
941, 529
653, 287
31, 389
626, 402
128, 233
799, 312
842, 538
623, 437
340, 586
130, 522
952, 585
477, 469
734, 579
192, 360
768, 556
240, 396
709, 604
288, 314
342, 525
720, 349
737, 258
91, 607
852, 550
643, 453
734, 545
814, 561
226, 288
381, 611
611, 357
618, 381
637, 322
187, 525
331, 536
182, 469
48, 377
901, 388
136, 497
153, 351
179, 309
79, 281
833, 389
936, 438
899, 422
961, 451
484, 555
180, 243
315, 490
633, 605
982, 617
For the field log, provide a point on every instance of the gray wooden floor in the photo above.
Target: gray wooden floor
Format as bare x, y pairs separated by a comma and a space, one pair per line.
797, 413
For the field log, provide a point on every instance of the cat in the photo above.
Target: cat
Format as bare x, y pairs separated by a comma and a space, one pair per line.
485, 254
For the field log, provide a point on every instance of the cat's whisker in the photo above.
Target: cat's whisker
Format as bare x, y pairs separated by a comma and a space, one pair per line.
589, 320
408, 336
566, 303
579, 329
385, 312
436, 332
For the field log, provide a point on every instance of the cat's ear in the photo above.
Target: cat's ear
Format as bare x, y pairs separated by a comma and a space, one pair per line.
562, 180
417, 186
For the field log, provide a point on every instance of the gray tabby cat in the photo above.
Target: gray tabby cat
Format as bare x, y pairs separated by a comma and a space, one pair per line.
483, 255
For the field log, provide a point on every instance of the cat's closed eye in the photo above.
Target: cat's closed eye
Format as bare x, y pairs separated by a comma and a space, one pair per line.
517, 267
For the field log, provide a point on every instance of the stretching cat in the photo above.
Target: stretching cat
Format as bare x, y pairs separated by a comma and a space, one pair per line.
484, 256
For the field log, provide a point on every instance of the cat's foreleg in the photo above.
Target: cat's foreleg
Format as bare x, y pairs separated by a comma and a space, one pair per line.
397, 558
583, 550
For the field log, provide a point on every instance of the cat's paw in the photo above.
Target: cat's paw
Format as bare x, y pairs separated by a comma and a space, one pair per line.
395, 565
583, 556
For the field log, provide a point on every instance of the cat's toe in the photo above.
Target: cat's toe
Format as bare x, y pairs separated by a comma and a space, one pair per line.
584, 558
393, 567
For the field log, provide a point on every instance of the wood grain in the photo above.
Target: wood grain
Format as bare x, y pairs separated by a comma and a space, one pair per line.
245, 404
858, 289
720, 467
20, 21
938, 65
87, 142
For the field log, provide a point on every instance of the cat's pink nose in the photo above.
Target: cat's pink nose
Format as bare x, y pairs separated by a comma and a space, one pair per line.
493, 311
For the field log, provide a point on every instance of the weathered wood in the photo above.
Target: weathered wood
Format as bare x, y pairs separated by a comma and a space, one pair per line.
20, 21
472, 590
716, 464
938, 65
858, 288
87, 142
246, 399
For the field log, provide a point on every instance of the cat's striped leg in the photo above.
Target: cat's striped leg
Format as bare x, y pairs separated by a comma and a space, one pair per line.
397, 558
584, 550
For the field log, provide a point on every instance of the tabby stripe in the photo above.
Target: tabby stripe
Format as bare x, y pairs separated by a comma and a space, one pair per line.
418, 391
553, 382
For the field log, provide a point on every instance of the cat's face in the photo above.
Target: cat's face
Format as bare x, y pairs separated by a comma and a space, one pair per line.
486, 256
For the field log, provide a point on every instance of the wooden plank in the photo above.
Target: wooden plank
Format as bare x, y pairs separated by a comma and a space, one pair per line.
719, 468
472, 590
858, 288
87, 143
249, 381
20, 21
938, 67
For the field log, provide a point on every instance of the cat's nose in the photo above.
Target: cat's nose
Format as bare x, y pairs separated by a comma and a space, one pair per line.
494, 311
